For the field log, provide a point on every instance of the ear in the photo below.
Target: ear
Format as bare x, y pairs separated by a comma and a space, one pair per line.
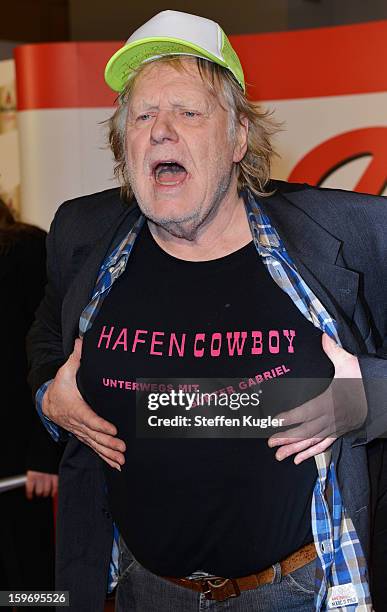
241, 135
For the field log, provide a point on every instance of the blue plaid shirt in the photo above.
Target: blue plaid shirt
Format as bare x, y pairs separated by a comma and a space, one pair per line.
340, 559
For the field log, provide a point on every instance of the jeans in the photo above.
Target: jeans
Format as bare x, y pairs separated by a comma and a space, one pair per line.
141, 591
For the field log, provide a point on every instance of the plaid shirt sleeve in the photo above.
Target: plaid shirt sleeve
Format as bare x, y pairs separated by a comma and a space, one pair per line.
53, 429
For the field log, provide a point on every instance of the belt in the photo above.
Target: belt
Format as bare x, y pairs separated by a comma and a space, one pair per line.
219, 589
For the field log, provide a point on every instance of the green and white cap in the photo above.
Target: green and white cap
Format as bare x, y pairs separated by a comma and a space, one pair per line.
173, 33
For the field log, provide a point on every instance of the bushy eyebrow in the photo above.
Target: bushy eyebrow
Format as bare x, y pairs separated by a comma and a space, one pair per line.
194, 104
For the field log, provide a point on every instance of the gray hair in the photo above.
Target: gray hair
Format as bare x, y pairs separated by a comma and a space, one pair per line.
253, 170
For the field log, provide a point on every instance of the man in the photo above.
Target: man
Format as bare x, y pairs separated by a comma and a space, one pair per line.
152, 290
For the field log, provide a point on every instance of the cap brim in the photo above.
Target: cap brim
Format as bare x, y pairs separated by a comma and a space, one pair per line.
131, 56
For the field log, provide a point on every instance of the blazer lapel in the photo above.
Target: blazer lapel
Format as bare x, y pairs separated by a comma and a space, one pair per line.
316, 253
92, 255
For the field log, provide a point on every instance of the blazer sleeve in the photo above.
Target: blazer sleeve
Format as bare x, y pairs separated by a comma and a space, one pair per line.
374, 374
373, 231
44, 340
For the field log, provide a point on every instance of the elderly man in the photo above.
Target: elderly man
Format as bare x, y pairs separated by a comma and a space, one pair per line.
151, 283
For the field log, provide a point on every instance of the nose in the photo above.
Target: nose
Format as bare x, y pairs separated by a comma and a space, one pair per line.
163, 128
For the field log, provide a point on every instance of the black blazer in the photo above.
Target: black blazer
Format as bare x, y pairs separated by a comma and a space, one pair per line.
337, 240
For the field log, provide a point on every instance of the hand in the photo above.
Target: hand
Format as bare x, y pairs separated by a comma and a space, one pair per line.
340, 409
63, 404
41, 484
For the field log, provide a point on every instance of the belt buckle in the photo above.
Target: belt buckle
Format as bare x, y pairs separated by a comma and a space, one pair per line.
212, 588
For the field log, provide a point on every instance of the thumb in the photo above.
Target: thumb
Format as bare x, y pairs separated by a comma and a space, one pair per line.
77, 352
331, 348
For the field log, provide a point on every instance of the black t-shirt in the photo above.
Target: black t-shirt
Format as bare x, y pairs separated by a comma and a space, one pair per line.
225, 506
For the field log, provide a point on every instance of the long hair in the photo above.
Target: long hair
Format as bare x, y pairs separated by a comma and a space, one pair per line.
253, 171
6, 217
12, 231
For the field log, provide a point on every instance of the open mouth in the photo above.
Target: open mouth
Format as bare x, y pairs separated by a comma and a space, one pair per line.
169, 173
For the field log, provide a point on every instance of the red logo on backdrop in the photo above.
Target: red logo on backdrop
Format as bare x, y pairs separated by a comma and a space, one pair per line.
334, 153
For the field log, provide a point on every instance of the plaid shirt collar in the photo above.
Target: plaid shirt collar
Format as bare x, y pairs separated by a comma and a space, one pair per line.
341, 566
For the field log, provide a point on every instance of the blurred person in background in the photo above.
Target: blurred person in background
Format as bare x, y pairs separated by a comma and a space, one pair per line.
26, 515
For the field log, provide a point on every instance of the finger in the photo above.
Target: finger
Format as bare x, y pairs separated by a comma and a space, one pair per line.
312, 451
296, 447
78, 348
73, 362
109, 443
38, 486
82, 416
301, 444
76, 355
112, 464
312, 429
94, 422
46, 485
335, 352
113, 458
30, 487
328, 344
